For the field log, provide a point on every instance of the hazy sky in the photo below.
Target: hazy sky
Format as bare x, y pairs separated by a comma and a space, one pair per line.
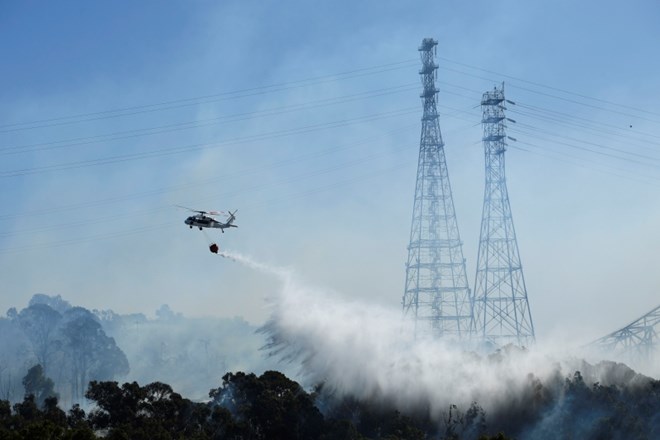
305, 117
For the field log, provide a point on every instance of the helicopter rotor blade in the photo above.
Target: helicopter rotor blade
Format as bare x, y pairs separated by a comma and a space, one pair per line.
211, 213
192, 210
185, 207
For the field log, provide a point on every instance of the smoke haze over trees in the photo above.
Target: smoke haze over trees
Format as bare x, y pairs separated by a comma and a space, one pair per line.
356, 382
68, 344
272, 406
74, 345
86, 351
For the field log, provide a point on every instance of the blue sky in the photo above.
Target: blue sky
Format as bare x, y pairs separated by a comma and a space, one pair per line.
331, 200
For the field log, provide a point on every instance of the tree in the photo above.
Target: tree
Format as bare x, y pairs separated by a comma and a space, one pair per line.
28, 409
15, 353
5, 413
116, 405
271, 405
40, 386
92, 355
53, 413
54, 302
152, 411
76, 416
164, 313
39, 323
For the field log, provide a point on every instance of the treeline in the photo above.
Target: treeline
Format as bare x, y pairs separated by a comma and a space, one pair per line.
69, 344
75, 345
271, 406
190, 354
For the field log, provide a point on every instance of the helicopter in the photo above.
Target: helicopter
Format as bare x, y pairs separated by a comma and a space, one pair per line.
204, 219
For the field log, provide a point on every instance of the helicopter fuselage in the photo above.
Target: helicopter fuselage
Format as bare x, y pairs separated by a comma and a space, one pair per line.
202, 221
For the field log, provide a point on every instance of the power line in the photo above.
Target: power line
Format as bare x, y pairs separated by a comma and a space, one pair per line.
233, 118
560, 156
202, 146
129, 134
168, 128
595, 144
557, 89
280, 163
299, 177
230, 194
590, 150
591, 126
573, 101
586, 105
185, 102
160, 226
176, 150
228, 175
165, 105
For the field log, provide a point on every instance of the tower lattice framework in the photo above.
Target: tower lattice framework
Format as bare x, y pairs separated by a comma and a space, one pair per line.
637, 342
436, 296
501, 312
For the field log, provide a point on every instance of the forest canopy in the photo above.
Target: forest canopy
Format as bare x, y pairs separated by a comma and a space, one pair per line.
272, 406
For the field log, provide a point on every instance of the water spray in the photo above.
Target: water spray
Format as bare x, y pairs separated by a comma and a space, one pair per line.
359, 349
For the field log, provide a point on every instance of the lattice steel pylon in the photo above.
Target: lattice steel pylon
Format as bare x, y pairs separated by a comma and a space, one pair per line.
501, 312
436, 295
638, 341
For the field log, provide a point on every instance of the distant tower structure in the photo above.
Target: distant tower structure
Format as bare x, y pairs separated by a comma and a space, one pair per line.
436, 296
637, 342
501, 311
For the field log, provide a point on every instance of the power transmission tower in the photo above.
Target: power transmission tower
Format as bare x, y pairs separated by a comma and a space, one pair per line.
501, 312
638, 341
436, 296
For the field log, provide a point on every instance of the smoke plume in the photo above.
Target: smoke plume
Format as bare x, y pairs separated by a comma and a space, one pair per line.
367, 352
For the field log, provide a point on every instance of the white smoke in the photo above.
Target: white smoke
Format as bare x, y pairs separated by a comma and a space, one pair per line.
366, 351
